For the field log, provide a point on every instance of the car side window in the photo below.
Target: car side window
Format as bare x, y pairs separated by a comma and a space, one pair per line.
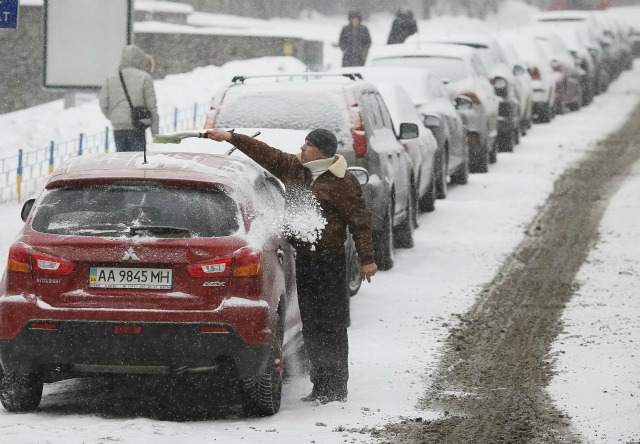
369, 112
384, 113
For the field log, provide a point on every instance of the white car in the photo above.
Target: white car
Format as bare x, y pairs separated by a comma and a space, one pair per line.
438, 113
464, 73
421, 150
539, 66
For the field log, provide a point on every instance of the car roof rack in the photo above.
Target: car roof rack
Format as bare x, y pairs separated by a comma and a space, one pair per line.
350, 76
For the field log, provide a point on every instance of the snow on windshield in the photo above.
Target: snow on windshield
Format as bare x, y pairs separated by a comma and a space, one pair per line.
449, 68
281, 108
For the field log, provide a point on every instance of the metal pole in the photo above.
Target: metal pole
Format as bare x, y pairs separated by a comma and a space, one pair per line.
19, 175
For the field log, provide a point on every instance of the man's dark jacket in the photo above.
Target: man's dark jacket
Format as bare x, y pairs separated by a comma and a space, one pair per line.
341, 200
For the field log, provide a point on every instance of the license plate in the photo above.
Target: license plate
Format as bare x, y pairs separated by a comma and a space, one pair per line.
145, 278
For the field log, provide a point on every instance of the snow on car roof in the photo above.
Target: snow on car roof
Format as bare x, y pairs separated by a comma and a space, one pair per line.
459, 38
202, 168
421, 49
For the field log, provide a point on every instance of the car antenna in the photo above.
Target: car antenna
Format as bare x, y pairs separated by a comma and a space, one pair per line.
144, 154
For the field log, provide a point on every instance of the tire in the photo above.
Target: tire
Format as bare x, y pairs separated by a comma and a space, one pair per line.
479, 160
493, 154
383, 242
516, 135
262, 394
403, 235
354, 281
428, 201
461, 176
506, 142
441, 177
545, 113
20, 392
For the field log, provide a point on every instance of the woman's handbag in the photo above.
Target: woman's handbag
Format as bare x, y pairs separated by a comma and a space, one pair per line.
140, 115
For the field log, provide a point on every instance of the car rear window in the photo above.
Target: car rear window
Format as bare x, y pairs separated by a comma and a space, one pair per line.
293, 109
153, 210
448, 68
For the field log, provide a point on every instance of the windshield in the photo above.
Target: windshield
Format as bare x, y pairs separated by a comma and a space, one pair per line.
283, 109
448, 68
150, 209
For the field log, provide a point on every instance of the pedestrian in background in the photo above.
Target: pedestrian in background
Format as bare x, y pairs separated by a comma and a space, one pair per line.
355, 41
403, 26
321, 272
128, 100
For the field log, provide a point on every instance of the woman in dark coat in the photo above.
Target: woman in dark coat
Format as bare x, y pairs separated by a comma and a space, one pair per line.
403, 26
354, 41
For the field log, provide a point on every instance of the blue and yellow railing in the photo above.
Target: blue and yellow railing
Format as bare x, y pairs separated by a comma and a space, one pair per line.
23, 174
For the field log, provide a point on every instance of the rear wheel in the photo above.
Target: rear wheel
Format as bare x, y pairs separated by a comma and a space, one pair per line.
479, 158
441, 177
544, 116
384, 246
404, 233
261, 394
461, 176
20, 392
507, 141
428, 201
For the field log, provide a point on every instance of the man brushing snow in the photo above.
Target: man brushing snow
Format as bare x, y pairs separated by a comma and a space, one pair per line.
321, 267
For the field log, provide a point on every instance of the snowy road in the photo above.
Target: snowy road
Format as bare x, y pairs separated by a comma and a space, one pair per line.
398, 322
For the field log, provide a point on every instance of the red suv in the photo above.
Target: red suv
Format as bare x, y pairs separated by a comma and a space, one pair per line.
163, 267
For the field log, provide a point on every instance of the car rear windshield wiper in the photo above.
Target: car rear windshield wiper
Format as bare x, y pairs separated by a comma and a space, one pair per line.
157, 230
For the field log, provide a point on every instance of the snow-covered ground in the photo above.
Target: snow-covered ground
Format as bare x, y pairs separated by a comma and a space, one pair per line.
598, 378
400, 320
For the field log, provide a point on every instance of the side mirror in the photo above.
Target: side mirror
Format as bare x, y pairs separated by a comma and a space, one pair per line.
500, 86
26, 209
518, 70
361, 174
431, 121
462, 102
409, 131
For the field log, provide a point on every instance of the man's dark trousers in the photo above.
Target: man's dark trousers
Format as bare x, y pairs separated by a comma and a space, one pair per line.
324, 308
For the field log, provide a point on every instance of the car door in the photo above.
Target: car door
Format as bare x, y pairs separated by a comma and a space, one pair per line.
394, 153
452, 120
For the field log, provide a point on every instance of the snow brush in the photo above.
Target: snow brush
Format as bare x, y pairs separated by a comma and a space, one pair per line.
178, 137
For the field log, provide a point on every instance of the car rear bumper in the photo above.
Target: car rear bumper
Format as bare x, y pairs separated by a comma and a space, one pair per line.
99, 346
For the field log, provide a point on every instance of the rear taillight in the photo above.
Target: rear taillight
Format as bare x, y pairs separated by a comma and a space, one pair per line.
534, 73
557, 67
473, 97
51, 264
212, 115
246, 263
219, 267
18, 277
357, 127
18, 261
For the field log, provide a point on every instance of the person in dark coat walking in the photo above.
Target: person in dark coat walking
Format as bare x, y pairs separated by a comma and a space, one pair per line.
321, 267
403, 26
355, 41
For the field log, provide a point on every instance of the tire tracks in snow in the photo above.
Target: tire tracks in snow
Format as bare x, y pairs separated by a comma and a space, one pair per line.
492, 378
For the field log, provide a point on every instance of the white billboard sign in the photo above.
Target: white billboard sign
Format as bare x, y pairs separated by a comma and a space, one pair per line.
83, 40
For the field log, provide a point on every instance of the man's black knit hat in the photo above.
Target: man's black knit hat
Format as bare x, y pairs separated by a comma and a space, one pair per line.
324, 140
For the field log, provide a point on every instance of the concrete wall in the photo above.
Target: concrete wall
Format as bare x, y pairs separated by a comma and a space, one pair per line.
21, 53
176, 53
